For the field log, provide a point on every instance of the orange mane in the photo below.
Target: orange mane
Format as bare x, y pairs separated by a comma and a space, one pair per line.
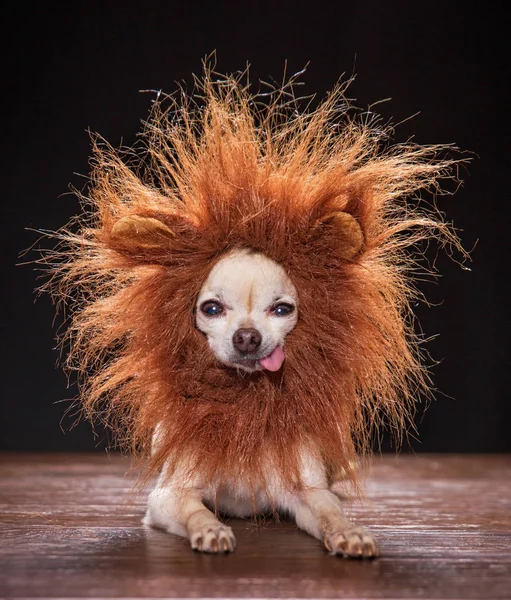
226, 169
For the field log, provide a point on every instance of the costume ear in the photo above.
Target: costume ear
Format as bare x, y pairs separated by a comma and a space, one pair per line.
346, 231
136, 232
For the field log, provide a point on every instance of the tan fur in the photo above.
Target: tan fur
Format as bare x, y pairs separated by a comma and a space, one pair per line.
319, 193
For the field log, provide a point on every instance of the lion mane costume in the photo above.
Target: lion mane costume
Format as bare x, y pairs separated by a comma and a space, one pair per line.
321, 192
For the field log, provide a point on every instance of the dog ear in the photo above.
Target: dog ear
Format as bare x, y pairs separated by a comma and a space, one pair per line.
345, 230
134, 231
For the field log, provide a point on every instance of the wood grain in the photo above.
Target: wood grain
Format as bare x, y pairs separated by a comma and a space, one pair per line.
70, 528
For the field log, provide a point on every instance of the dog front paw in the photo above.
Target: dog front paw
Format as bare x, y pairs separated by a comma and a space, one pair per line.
352, 543
213, 538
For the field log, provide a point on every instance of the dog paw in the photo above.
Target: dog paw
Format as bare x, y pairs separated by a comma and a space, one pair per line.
213, 538
352, 543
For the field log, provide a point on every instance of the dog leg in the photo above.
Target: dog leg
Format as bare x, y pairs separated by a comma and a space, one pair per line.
320, 513
182, 512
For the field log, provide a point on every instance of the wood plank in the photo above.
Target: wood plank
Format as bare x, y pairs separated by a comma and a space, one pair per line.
70, 528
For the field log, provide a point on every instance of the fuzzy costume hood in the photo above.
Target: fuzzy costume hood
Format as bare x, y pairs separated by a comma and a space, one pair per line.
321, 193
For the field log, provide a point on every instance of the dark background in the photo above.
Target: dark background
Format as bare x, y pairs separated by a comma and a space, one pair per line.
80, 66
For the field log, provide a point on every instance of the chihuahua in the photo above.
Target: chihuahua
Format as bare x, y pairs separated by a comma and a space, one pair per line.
246, 309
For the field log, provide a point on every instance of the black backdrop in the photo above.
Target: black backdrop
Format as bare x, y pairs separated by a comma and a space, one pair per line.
80, 65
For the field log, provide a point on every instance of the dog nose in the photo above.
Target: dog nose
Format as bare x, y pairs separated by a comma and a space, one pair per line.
246, 340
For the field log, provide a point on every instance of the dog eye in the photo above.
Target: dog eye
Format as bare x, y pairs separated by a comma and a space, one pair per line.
283, 310
211, 308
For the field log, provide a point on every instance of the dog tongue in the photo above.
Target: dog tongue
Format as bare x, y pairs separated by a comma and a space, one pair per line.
274, 361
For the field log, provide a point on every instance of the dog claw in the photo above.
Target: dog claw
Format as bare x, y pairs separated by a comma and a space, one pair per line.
225, 545
197, 544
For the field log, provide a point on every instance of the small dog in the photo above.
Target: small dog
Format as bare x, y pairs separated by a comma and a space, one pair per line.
242, 312
246, 308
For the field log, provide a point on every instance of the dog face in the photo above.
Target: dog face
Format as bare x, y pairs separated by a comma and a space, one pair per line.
246, 308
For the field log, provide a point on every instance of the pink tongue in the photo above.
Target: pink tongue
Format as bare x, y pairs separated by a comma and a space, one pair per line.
274, 361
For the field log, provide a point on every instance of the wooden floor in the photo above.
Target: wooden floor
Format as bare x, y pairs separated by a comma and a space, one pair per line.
71, 529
